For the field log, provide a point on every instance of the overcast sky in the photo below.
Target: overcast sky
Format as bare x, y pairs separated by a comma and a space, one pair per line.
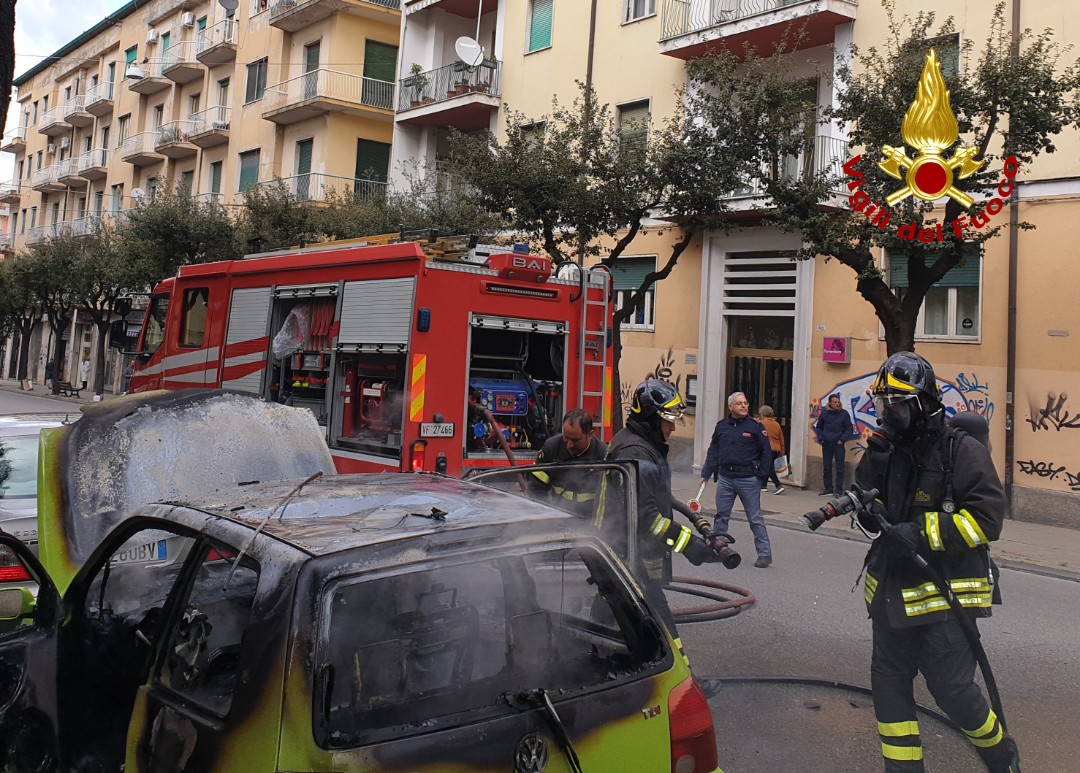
41, 27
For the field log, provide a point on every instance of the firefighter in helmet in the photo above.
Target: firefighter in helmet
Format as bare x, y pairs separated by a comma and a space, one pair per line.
656, 408
940, 493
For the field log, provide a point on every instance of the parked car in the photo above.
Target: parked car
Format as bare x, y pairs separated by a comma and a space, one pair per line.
19, 437
217, 600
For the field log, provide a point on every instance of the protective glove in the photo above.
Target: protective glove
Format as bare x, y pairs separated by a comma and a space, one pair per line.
870, 518
903, 539
698, 552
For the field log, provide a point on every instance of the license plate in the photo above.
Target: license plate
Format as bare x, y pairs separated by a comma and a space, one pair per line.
436, 429
142, 554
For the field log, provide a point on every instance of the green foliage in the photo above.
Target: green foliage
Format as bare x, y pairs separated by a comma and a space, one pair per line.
176, 228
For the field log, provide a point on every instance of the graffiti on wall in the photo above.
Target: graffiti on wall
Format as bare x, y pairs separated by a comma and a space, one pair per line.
976, 394
1054, 415
664, 370
1051, 471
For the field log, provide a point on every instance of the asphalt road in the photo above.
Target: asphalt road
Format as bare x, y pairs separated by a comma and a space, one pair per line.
37, 401
808, 624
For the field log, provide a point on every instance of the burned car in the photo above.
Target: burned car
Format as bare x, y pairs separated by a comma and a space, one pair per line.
351, 623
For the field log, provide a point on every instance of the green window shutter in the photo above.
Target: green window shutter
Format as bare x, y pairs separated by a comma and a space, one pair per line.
380, 61
634, 123
131, 54
629, 273
964, 275
215, 177
303, 156
187, 182
249, 169
372, 160
540, 24
202, 24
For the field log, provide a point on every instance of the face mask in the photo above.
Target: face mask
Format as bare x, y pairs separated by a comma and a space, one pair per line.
897, 416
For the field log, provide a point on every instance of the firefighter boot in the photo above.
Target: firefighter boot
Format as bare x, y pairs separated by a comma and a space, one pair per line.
1005, 758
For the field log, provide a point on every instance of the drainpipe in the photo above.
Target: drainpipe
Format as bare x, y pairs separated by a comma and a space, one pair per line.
592, 45
1010, 365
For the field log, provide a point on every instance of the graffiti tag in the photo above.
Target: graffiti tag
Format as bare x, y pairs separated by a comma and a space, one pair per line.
976, 394
1054, 415
1050, 471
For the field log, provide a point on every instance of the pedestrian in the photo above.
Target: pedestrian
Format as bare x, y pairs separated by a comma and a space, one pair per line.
940, 492
50, 373
657, 406
832, 429
739, 459
576, 443
776, 441
84, 371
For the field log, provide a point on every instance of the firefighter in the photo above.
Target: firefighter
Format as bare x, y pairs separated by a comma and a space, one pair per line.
576, 443
943, 498
657, 406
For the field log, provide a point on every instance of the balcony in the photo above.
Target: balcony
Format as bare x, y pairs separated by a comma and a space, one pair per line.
39, 233
83, 226
822, 154
93, 164
47, 179
217, 45
690, 28
210, 127
7, 242
328, 91
52, 122
75, 112
138, 149
152, 80
321, 188
99, 99
162, 9
293, 15
11, 192
213, 197
173, 139
455, 95
14, 140
67, 172
180, 64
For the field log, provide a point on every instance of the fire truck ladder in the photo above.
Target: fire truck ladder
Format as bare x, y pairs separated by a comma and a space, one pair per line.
594, 277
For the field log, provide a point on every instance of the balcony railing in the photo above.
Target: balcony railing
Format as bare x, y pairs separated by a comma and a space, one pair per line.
211, 119
7, 241
178, 62
214, 197
174, 132
68, 171
681, 17
448, 82
160, 9
824, 154
325, 84
11, 191
325, 187
75, 111
52, 122
14, 138
39, 233
99, 98
93, 159
221, 34
139, 148
45, 176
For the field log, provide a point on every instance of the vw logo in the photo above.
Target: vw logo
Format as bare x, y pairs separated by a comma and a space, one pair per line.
531, 755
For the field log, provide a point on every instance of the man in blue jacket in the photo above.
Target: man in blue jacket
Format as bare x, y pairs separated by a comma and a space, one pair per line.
740, 458
833, 428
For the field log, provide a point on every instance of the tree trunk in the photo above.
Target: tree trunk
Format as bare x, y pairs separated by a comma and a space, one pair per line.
7, 57
26, 328
99, 356
617, 414
58, 325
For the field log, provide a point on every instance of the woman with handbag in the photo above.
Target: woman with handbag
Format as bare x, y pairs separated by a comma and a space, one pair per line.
767, 416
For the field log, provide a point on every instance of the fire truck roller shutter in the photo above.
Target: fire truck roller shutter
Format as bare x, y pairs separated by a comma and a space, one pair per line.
249, 321
378, 311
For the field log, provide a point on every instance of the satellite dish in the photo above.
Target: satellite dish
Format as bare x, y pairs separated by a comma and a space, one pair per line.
138, 194
229, 5
469, 51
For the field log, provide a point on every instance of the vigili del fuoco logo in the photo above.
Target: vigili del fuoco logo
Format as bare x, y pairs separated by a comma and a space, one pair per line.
930, 128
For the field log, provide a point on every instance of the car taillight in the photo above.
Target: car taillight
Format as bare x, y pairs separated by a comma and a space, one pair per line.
11, 568
693, 741
417, 455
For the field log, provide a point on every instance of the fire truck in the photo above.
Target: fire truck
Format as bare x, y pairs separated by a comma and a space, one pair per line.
409, 357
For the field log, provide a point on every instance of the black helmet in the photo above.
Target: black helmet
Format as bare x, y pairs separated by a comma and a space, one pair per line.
657, 398
906, 374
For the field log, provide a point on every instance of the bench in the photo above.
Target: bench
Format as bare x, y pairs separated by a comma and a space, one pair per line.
67, 390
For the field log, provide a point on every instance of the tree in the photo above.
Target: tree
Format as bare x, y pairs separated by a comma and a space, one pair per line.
19, 313
7, 57
578, 184
47, 271
1010, 99
176, 229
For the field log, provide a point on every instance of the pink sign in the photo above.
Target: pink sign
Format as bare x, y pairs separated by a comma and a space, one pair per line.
836, 349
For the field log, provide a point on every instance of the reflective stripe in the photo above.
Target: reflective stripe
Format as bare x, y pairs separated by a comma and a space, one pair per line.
660, 525
933, 532
969, 529
543, 477
890, 752
897, 729
970, 584
683, 539
987, 726
920, 591
914, 610
869, 587
993, 740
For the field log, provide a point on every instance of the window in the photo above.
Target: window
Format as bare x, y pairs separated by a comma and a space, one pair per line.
123, 125
187, 182
193, 104
215, 177
639, 9
258, 6
22, 222
256, 80
193, 316
99, 202
223, 92
380, 61
532, 134
111, 74
538, 34
951, 309
627, 277
154, 331
947, 48
104, 137
634, 124
33, 113
200, 25
159, 116
249, 169
372, 160
131, 55
33, 216
19, 169
117, 198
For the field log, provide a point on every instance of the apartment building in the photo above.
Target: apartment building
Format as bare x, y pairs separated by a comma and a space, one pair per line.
737, 313
212, 95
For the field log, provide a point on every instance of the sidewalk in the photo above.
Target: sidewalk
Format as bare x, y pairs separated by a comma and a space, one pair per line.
40, 390
1031, 547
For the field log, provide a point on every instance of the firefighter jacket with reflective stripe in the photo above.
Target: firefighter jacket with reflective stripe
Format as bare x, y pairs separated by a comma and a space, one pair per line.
913, 483
571, 485
657, 535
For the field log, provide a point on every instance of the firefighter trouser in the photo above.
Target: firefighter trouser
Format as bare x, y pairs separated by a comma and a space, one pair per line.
943, 654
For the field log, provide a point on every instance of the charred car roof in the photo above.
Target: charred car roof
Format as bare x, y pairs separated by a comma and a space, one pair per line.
341, 512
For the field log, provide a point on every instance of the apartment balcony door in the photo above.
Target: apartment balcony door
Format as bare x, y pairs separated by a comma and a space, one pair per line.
311, 70
302, 189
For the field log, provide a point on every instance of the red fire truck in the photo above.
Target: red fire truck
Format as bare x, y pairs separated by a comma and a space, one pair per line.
410, 361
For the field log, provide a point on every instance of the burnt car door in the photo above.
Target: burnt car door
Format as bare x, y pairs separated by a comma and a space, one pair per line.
28, 699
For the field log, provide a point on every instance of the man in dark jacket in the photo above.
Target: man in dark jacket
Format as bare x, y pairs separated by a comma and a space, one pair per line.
832, 429
940, 492
577, 443
740, 459
656, 408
